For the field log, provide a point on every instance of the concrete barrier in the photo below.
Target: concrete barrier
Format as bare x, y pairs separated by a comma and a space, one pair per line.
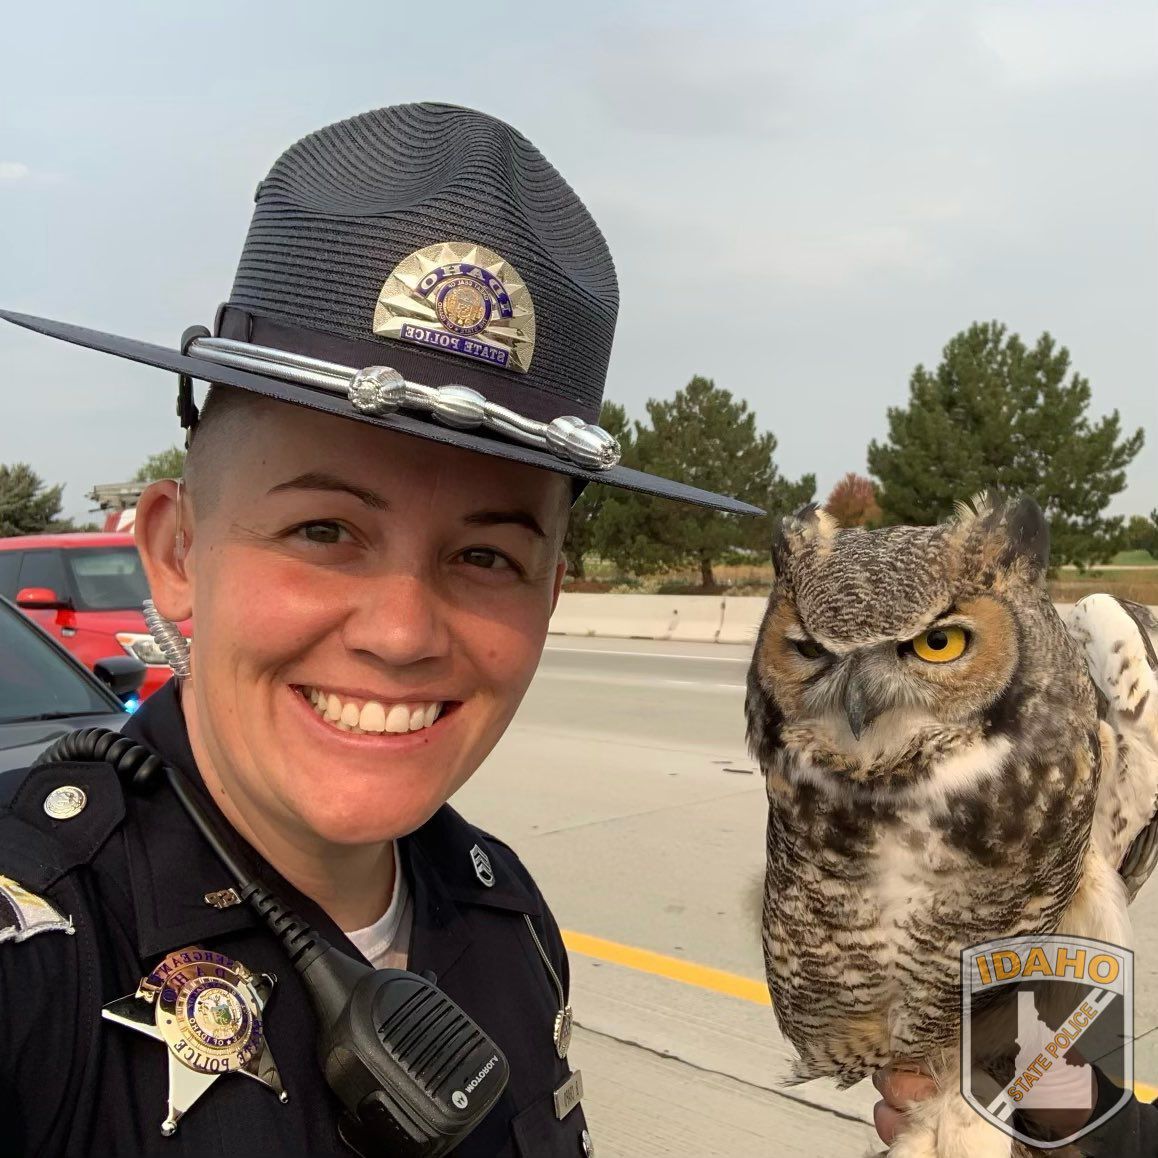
743, 615
697, 619
687, 618
616, 616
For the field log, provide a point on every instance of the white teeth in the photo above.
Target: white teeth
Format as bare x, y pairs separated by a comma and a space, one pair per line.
399, 719
373, 717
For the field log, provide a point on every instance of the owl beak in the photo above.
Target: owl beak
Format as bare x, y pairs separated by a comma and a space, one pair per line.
859, 712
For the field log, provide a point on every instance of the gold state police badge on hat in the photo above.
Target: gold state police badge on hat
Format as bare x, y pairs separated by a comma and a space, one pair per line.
207, 1008
460, 298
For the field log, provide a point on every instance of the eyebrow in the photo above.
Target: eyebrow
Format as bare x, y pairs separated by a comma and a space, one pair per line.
321, 481
517, 517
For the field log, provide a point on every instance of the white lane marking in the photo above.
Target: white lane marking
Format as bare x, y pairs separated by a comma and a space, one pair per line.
651, 654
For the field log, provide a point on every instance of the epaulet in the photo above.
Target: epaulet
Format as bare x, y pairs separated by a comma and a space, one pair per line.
55, 818
475, 866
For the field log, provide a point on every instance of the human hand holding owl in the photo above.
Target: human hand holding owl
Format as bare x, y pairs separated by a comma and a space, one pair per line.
940, 772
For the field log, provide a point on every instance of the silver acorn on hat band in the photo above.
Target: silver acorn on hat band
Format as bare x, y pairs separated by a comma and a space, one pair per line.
381, 390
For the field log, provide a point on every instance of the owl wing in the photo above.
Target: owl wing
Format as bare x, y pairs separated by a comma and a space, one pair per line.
1115, 636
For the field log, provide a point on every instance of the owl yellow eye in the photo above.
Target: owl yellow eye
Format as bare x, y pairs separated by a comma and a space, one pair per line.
941, 644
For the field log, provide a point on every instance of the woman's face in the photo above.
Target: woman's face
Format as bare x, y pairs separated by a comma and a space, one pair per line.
368, 611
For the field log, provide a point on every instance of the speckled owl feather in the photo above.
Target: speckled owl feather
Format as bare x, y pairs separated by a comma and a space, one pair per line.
922, 798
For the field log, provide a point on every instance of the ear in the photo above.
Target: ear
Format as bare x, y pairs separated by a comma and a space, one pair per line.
560, 571
1027, 534
162, 512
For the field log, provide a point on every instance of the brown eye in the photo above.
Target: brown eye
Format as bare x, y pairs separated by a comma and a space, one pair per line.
488, 559
809, 648
323, 532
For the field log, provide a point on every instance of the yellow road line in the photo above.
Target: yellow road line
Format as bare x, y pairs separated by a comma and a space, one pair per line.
673, 968
704, 977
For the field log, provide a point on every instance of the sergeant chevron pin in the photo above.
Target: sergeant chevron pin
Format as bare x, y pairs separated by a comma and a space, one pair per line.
207, 1008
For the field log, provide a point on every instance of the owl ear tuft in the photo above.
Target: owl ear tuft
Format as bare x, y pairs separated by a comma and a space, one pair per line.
1027, 534
983, 505
811, 525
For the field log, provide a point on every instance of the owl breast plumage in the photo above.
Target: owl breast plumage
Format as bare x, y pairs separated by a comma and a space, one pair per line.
934, 748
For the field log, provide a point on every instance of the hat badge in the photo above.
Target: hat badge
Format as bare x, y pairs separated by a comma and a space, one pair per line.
462, 299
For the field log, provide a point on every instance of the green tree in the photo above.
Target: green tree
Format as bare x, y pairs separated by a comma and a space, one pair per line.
27, 505
708, 439
1141, 534
165, 464
580, 539
996, 414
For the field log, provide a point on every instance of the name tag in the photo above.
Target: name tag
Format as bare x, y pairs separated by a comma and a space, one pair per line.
568, 1095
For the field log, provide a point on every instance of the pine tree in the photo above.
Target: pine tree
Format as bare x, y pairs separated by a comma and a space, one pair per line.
996, 414
1141, 534
706, 438
582, 529
165, 464
27, 505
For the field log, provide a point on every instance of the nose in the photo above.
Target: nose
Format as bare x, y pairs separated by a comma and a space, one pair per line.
858, 706
398, 619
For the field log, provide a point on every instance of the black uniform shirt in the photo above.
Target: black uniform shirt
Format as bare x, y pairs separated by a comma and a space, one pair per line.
132, 874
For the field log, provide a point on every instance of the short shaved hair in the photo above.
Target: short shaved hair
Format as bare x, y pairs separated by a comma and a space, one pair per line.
224, 418
227, 416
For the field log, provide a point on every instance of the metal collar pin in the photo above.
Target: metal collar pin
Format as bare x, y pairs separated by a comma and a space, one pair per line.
482, 866
65, 802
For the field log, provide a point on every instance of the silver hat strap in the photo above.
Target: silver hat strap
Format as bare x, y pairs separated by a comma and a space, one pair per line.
379, 390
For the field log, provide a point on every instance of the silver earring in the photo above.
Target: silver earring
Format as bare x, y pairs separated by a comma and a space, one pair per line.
167, 636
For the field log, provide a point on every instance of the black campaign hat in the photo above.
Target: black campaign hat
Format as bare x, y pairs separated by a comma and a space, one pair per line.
421, 267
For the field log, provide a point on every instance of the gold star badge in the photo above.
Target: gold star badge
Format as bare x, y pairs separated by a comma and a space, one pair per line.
207, 1008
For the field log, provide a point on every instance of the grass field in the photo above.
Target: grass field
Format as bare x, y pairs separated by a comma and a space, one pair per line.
1138, 582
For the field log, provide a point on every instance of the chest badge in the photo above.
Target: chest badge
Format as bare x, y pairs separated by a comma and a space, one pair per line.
207, 1009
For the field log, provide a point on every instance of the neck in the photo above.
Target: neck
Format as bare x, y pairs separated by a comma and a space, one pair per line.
353, 884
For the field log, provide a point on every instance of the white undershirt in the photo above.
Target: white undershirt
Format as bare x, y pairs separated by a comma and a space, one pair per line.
386, 943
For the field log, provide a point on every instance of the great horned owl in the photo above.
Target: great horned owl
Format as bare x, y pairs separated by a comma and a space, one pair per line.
933, 747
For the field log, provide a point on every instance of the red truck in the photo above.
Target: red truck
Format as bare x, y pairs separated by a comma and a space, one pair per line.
86, 590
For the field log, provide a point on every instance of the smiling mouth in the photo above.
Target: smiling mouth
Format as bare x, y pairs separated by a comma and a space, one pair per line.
372, 717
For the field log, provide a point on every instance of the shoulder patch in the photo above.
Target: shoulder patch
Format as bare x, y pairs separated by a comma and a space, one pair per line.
24, 914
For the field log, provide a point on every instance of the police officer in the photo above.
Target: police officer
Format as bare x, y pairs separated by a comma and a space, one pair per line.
405, 385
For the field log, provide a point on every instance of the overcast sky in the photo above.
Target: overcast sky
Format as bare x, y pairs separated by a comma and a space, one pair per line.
804, 200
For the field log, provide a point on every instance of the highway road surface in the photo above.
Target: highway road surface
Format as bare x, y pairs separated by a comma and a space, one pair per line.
625, 785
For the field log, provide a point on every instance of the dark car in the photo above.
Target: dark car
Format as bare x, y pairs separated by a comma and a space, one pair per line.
45, 692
